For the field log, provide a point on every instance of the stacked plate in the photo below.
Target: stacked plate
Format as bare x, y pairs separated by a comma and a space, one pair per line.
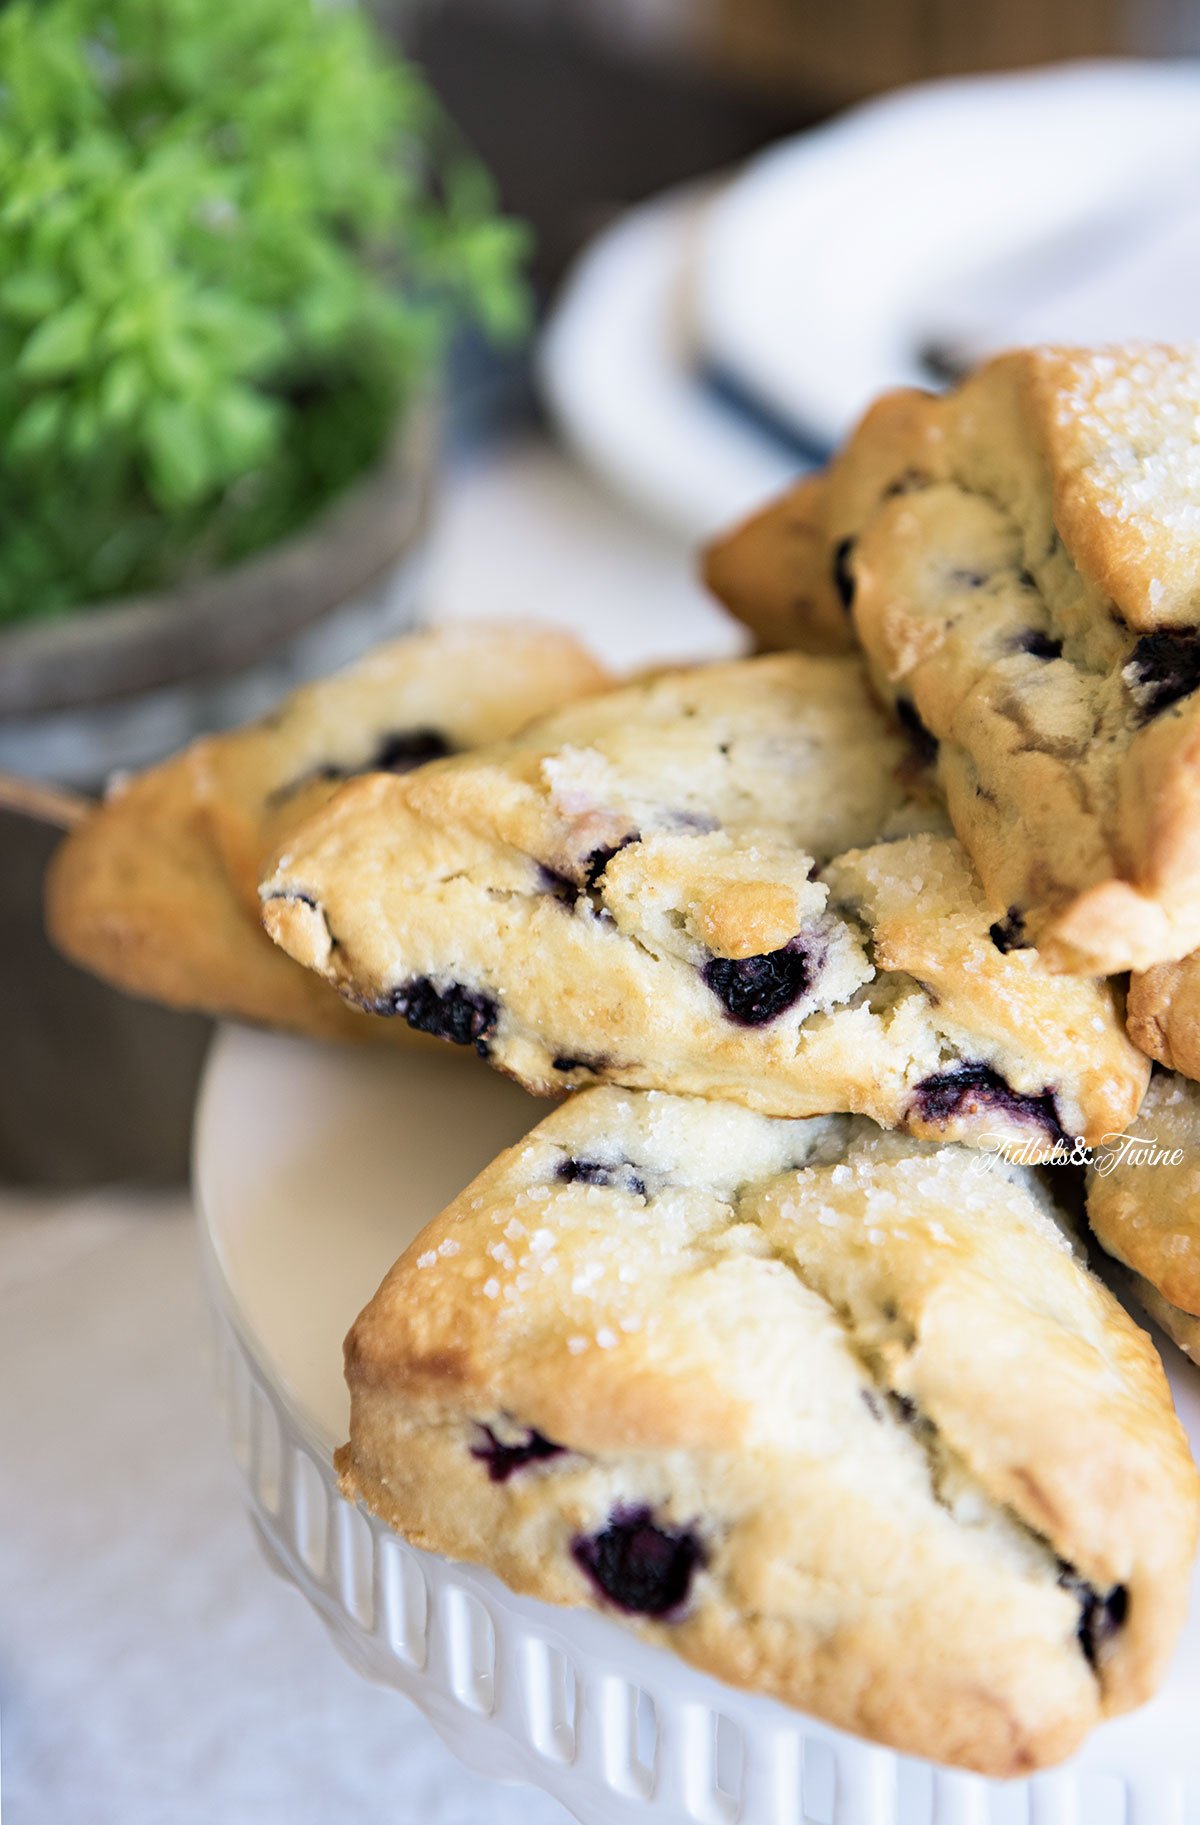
716, 340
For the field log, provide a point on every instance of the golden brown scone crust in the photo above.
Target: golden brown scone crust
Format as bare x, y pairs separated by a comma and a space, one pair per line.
157, 890
1183, 1328
771, 572
606, 896
1164, 1014
907, 1454
1024, 555
1145, 1209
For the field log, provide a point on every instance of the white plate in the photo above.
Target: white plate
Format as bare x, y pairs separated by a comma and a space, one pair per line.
616, 366
314, 1169
819, 269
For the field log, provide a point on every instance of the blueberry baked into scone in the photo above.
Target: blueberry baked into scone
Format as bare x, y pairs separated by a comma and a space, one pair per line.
1020, 561
1143, 1206
833, 1413
157, 890
716, 882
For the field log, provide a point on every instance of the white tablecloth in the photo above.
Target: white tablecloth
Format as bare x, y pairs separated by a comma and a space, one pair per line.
152, 1671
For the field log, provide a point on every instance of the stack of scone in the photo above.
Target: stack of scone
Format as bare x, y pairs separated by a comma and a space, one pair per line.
776, 1338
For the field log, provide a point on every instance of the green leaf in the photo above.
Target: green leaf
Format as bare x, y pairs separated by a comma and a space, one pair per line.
178, 468
244, 426
60, 345
38, 426
122, 389
32, 295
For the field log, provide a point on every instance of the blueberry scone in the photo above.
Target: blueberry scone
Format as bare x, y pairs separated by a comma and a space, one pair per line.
157, 890
770, 573
1021, 563
715, 882
836, 1414
1143, 1205
1163, 1014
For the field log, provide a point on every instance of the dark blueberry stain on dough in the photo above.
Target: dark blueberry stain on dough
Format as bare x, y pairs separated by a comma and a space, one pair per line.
642, 1567
400, 751
295, 896
405, 749
755, 990
969, 579
458, 1014
503, 1459
924, 744
565, 1063
557, 885
622, 1174
1101, 1615
1008, 933
1037, 644
975, 1089
599, 859
843, 576
1165, 667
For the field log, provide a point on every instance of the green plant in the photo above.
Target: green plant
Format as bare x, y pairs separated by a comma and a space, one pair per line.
234, 235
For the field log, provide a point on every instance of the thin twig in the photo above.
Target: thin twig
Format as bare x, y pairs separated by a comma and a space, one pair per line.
48, 804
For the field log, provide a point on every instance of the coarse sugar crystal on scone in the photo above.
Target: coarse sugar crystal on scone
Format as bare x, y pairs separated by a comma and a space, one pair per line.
156, 890
838, 1415
1020, 561
723, 882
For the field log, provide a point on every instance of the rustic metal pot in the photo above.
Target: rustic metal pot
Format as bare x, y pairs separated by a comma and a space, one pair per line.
95, 1086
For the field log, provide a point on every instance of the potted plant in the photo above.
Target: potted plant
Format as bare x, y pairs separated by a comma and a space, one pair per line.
233, 242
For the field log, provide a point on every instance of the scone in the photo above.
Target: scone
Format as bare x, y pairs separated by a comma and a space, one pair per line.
682, 885
1163, 1014
1143, 1205
157, 890
1021, 562
771, 573
837, 1415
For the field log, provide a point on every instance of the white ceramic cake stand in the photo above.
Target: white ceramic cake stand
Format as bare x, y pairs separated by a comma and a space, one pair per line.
314, 1168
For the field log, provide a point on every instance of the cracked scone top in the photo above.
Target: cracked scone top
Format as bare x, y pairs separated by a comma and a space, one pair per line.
1020, 561
681, 885
836, 1414
157, 889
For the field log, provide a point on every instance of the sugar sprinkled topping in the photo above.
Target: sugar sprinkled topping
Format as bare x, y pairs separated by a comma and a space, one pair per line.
1131, 425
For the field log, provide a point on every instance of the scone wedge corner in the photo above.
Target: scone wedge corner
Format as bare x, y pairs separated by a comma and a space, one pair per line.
1143, 1205
720, 882
771, 572
1020, 560
1163, 1014
837, 1415
156, 890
